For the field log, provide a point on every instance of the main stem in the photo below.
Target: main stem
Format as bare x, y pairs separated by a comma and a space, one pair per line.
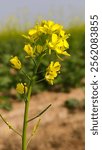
24, 135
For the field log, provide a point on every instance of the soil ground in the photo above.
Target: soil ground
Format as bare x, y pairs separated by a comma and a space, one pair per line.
59, 128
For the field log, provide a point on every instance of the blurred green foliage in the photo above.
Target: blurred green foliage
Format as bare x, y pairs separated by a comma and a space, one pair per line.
5, 103
72, 104
72, 74
74, 66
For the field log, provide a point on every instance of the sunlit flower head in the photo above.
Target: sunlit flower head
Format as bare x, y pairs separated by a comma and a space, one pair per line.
58, 44
47, 36
15, 62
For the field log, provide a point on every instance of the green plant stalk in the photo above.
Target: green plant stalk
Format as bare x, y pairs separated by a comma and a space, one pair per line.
24, 135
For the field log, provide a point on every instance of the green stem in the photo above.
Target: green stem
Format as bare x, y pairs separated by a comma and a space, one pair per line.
39, 113
39, 61
24, 135
40, 80
26, 75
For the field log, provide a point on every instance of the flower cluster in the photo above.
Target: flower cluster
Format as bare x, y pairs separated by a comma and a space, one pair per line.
49, 35
52, 71
45, 38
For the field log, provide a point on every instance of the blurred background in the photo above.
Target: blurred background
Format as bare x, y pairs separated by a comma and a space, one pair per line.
67, 95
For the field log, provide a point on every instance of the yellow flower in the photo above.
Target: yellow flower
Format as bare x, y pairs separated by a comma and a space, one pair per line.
29, 50
21, 88
50, 27
51, 34
36, 31
52, 71
58, 44
15, 62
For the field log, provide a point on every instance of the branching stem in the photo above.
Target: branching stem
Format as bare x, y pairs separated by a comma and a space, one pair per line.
10, 126
39, 113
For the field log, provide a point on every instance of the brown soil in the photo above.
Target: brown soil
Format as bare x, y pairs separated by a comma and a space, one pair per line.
59, 128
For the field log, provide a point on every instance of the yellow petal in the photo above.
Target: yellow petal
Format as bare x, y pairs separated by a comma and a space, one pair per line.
55, 27
66, 44
50, 23
32, 32
51, 64
54, 38
60, 44
50, 45
57, 66
62, 32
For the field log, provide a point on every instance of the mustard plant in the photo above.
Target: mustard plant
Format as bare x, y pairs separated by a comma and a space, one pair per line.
45, 38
